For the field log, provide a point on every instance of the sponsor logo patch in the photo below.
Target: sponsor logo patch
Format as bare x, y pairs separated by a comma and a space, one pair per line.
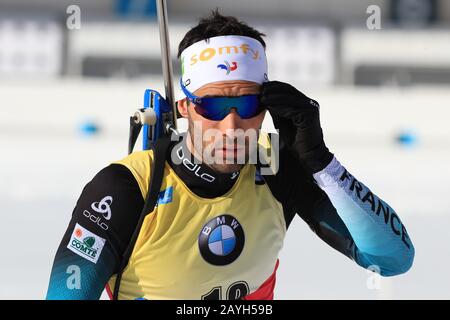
221, 240
86, 244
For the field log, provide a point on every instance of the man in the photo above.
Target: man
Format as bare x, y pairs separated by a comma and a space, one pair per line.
220, 224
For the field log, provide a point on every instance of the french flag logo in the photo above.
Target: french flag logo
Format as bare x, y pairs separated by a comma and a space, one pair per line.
226, 66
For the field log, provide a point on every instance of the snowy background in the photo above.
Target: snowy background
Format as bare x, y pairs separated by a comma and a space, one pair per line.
374, 87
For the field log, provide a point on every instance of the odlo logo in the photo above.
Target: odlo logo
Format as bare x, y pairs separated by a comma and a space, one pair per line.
103, 207
226, 66
86, 244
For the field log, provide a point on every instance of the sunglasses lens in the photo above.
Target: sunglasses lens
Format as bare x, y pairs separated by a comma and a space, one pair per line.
218, 108
250, 107
210, 113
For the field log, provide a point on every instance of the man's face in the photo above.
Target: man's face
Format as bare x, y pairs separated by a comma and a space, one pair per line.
223, 145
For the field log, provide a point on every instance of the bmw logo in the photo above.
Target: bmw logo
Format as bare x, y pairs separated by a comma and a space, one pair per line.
221, 240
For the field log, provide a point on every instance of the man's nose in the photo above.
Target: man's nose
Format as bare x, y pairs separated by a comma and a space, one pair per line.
231, 121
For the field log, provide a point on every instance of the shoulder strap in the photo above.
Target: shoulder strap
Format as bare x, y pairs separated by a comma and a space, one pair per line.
160, 149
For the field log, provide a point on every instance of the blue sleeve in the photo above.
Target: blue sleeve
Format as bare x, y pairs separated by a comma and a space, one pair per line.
379, 237
76, 278
99, 231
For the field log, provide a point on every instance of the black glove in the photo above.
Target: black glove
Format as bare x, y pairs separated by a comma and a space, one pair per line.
297, 118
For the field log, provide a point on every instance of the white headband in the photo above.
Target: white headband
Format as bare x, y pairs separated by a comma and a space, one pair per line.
223, 58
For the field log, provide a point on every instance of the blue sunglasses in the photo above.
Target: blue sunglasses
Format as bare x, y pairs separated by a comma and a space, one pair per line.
217, 108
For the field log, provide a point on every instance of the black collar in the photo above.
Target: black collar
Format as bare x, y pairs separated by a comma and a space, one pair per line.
199, 178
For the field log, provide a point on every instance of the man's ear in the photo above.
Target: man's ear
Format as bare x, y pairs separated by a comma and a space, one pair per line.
182, 106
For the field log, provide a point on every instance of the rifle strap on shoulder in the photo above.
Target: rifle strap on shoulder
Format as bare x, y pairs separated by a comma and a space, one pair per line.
160, 150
